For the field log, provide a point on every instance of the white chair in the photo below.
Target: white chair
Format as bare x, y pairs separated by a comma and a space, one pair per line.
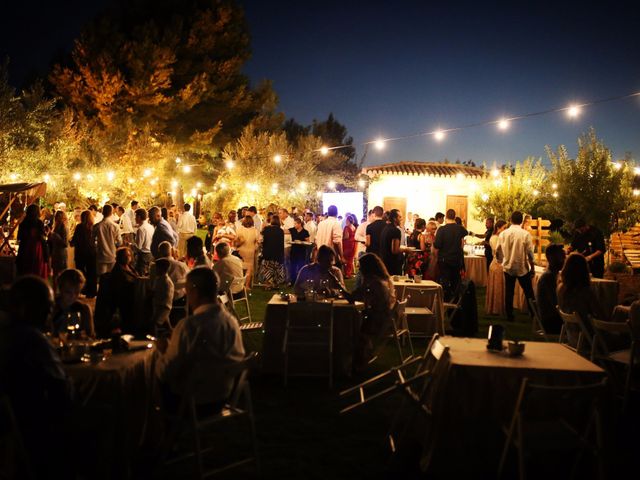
308, 328
191, 422
536, 323
573, 322
241, 296
420, 306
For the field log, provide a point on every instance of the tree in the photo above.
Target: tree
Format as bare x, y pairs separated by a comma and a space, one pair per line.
514, 187
251, 176
593, 187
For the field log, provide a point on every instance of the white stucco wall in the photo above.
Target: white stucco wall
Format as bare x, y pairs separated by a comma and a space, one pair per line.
426, 195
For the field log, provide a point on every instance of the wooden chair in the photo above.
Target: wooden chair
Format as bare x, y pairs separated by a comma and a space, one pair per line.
309, 326
536, 323
572, 321
550, 418
191, 423
627, 358
420, 304
14, 460
240, 297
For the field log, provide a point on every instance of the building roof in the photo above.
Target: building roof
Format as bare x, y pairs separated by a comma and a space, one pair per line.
423, 168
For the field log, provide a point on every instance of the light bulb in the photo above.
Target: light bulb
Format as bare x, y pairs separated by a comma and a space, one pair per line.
573, 111
438, 135
186, 169
324, 150
379, 144
503, 124
277, 158
331, 185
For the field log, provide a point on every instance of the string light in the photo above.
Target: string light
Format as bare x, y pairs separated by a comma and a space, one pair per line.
379, 144
178, 160
331, 185
495, 172
46, 177
535, 193
229, 164
636, 171
361, 183
77, 176
223, 186
174, 183
199, 185
438, 135
111, 176
554, 186
555, 194
503, 124
573, 111
277, 158
303, 186
324, 150
147, 172
186, 169
636, 192
617, 165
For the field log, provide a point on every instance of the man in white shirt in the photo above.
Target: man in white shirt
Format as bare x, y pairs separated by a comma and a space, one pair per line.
286, 222
131, 212
187, 227
515, 252
227, 267
329, 233
361, 234
126, 227
257, 219
106, 238
310, 225
177, 273
202, 345
142, 243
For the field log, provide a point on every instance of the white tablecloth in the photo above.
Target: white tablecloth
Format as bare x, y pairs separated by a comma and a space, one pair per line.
476, 269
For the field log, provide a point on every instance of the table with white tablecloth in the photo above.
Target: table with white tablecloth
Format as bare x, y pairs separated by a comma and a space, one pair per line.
475, 268
604, 290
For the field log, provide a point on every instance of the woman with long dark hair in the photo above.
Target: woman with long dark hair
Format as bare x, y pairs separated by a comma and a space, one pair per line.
417, 261
33, 251
349, 244
272, 272
58, 244
84, 253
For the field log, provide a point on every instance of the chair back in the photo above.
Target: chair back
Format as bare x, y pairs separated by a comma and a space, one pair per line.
399, 315
420, 296
572, 322
240, 371
237, 284
536, 320
604, 332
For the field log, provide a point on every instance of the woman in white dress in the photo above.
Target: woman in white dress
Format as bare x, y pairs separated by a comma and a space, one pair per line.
494, 300
246, 243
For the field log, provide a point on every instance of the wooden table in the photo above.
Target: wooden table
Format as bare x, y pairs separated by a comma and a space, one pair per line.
479, 393
346, 333
476, 269
428, 294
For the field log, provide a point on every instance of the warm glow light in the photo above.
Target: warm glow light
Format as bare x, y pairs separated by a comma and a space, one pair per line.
503, 124
193, 192
153, 181
199, 185
90, 177
277, 158
361, 183
636, 192
77, 176
617, 165
379, 144
229, 164
186, 169
555, 194
111, 176
573, 111
319, 194
495, 172
130, 181
14, 176
331, 185
554, 186
484, 197
46, 177
173, 194
153, 194
178, 160
147, 172
174, 183
536, 193
459, 176
438, 135
303, 186
636, 170
324, 150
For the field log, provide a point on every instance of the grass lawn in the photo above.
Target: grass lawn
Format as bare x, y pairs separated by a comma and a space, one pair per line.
300, 431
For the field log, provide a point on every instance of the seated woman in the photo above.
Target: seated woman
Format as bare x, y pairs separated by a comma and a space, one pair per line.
67, 307
575, 295
320, 275
379, 297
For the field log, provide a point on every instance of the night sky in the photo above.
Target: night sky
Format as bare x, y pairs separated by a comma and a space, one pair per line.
397, 68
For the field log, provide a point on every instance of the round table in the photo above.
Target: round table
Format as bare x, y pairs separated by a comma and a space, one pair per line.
476, 269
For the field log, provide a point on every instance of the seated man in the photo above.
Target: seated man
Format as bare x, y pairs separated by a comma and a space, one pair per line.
227, 267
70, 283
32, 376
546, 296
201, 346
322, 274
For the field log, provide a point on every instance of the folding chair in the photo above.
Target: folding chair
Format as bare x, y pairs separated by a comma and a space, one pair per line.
451, 308
400, 378
191, 422
536, 323
240, 297
309, 326
553, 418
14, 461
572, 321
399, 332
610, 360
420, 305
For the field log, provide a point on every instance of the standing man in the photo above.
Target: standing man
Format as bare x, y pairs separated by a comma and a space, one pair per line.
187, 227
329, 233
311, 227
142, 244
488, 253
126, 227
515, 252
589, 242
449, 245
390, 240
374, 230
106, 238
131, 212
440, 219
162, 233
257, 219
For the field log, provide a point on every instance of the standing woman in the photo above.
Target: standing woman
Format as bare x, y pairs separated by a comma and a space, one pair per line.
33, 251
247, 242
431, 256
85, 253
272, 268
494, 301
417, 261
298, 251
349, 244
58, 244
